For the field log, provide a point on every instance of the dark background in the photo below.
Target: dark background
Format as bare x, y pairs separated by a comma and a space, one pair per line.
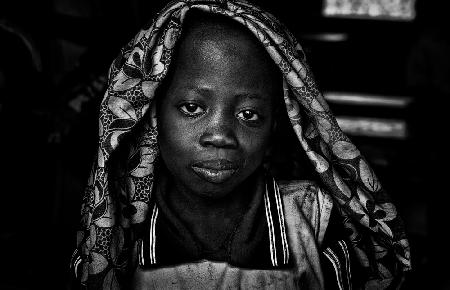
53, 58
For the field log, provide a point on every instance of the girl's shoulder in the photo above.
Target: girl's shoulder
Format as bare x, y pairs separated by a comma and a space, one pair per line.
309, 211
306, 200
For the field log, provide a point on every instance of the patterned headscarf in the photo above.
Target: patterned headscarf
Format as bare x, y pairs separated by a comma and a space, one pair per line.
112, 210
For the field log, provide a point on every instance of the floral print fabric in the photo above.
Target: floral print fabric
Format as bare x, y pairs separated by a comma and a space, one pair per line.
113, 209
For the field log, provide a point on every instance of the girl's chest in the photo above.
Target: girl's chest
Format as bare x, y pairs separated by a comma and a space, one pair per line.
213, 275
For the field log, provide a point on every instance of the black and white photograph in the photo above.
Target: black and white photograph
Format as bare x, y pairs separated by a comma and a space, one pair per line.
224, 144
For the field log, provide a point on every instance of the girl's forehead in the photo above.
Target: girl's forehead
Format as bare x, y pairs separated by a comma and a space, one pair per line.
232, 61
219, 44
219, 41
223, 56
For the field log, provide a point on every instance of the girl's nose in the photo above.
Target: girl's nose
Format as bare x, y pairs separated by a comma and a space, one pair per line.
219, 133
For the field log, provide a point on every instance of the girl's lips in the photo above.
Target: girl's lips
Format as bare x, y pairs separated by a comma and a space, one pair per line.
215, 171
214, 175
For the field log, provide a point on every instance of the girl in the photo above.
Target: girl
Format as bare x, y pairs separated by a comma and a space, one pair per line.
186, 191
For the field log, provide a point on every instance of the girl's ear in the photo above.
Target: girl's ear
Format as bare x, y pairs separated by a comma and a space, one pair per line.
277, 115
269, 149
274, 124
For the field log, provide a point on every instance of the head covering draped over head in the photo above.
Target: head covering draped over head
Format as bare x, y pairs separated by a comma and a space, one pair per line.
110, 209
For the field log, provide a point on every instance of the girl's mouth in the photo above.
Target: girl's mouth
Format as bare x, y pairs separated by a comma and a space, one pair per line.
215, 171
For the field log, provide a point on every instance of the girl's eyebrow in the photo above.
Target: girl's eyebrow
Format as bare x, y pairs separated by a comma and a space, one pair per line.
202, 91
251, 96
205, 91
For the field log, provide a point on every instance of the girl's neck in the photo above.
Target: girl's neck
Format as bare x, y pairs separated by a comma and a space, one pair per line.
212, 221
190, 205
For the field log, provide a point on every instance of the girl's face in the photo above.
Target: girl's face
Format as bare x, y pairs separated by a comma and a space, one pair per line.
216, 117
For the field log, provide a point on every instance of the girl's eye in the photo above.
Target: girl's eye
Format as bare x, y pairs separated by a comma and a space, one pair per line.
191, 109
248, 115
